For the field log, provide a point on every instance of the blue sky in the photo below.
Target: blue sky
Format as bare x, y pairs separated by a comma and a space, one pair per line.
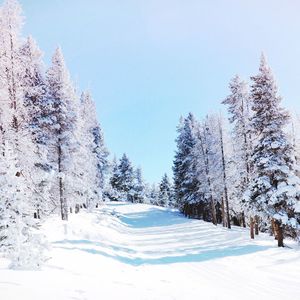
147, 62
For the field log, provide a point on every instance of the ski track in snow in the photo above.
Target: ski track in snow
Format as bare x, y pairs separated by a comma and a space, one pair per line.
139, 251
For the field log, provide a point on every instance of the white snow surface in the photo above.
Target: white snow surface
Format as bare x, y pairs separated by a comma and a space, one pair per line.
139, 251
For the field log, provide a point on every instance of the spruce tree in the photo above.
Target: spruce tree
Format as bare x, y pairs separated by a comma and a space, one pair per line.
139, 188
165, 192
122, 179
274, 189
153, 195
111, 191
186, 184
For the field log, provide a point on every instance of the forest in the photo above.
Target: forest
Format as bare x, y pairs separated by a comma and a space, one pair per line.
239, 169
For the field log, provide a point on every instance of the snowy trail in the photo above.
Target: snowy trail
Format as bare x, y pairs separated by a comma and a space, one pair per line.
136, 251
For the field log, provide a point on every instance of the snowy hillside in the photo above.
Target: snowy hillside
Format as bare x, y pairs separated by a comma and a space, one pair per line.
138, 251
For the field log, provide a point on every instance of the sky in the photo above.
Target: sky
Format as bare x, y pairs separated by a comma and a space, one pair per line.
147, 62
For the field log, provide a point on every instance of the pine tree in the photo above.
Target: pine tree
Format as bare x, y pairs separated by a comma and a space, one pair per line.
35, 89
111, 192
153, 195
165, 192
64, 109
37, 106
18, 150
122, 179
186, 184
139, 188
101, 153
274, 189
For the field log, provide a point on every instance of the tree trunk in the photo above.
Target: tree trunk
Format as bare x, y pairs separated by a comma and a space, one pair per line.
206, 160
251, 228
63, 204
213, 211
223, 213
279, 233
224, 175
256, 225
227, 209
243, 220
273, 230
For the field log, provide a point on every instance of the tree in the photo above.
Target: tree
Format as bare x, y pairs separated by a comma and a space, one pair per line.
37, 106
122, 179
186, 184
239, 109
17, 148
274, 189
111, 192
19, 236
208, 169
139, 188
153, 195
225, 203
64, 109
101, 153
165, 192
86, 189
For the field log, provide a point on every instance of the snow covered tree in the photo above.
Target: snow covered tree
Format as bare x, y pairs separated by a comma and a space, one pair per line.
101, 153
225, 166
207, 170
35, 89
165, 192
86, 188
239, 109
37, 106
19, 236
186, 185
18, 150
11, 68
63, 117
197, 169
153, 195
212, 167
139, 188
274, 189
122, 179
111, 193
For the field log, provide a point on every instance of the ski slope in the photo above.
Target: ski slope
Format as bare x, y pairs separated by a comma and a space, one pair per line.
138, 251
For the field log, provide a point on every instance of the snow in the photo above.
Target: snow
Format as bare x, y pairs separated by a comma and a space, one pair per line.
139, 251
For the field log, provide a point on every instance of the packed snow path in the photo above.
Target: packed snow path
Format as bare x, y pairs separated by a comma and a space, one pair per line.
136, 251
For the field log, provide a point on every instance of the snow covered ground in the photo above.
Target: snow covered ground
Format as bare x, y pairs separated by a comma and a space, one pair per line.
136, 251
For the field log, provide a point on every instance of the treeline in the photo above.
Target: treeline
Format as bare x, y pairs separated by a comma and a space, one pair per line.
125, 183
53, 156
248, 175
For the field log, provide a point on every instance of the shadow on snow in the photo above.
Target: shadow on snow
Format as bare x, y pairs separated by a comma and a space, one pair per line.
186, 258
156, 217
153, 217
